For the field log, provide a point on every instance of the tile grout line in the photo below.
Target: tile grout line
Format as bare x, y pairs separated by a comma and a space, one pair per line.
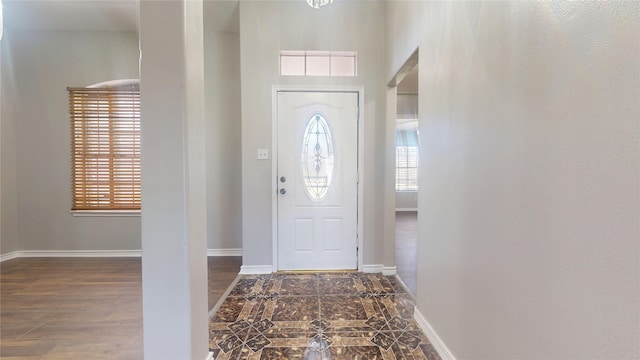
383, 290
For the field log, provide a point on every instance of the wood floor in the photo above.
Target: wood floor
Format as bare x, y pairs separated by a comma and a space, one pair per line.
81, 308
91, 308
407, 247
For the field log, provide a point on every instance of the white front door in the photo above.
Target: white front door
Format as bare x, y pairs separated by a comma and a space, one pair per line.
317, 180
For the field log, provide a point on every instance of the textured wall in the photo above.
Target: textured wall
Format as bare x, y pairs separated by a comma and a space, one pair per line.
224, 148
41, 66
8, 176
529, 195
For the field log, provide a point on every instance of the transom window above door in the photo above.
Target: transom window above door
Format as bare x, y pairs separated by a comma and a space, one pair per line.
318, 63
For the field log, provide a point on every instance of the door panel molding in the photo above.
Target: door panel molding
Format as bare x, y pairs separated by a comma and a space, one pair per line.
359, 90
317, 152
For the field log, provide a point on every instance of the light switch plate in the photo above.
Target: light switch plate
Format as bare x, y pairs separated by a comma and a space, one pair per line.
263, 154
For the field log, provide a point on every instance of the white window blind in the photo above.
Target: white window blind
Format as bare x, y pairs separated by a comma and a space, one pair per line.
407, 160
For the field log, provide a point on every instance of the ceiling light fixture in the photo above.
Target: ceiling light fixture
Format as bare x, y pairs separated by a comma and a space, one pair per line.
316, 4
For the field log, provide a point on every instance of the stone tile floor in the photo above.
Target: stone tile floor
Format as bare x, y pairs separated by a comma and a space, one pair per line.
318, 316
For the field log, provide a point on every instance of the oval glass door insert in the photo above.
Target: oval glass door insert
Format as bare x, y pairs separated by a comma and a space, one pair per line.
317, 157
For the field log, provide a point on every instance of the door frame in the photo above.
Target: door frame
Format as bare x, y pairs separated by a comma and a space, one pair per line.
274, 160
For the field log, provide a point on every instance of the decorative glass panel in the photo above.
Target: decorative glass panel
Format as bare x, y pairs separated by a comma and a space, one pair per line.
317, 157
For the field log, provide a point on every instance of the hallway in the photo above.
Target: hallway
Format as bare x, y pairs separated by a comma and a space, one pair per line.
525, 136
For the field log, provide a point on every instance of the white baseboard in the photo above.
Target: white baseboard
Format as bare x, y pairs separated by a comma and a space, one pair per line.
224, 296
80, 253
435, 340
255, 269
209, 357
224, 252
100, 253
389, 270
406, 209
406, 288
372, 268
9, 256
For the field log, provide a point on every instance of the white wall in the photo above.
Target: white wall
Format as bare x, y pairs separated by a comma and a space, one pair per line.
39, 66
529, 195
266, 27
6, 147
222, 101
174, 216
8, 172
1, 126
407, 106
406, 200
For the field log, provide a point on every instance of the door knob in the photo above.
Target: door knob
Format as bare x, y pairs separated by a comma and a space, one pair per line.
283, 191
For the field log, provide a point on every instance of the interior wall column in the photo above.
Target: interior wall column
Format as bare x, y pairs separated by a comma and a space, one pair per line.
174, 253
389, 260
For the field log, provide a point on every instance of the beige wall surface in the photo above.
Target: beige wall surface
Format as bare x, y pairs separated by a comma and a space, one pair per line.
8, 181
406, 200
38, 67
529, 193
174, 216
224, 149
266, 27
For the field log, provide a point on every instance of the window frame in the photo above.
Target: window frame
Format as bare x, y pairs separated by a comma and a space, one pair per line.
105, 147
407, 158
308, 63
